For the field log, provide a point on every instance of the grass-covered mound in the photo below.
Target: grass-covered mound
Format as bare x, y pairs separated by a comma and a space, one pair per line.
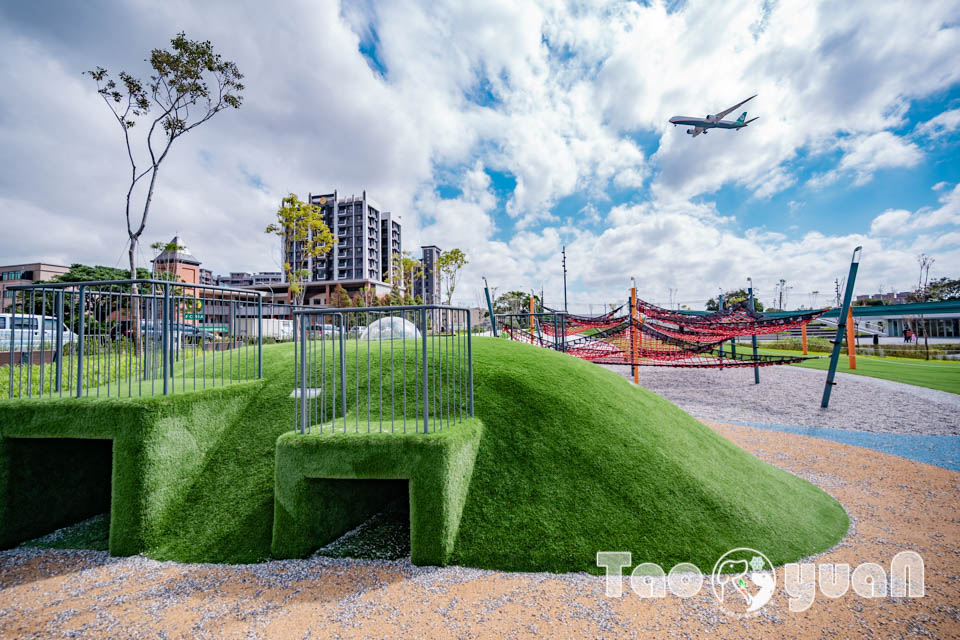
573, 460
576, 460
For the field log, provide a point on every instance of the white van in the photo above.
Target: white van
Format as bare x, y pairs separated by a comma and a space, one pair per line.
26, 332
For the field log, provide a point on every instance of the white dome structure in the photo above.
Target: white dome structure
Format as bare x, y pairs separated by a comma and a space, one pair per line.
391, 328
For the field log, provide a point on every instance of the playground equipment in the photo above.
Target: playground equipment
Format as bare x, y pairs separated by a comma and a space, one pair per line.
648, 335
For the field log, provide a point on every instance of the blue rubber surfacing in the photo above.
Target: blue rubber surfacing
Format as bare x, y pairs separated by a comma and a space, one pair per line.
940, 451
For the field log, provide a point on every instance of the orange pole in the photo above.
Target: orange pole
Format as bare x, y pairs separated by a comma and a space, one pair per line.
803, 337
531, 315
633, 334
851, 344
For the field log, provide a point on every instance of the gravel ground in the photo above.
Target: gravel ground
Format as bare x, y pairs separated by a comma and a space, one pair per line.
791, 396
907, 506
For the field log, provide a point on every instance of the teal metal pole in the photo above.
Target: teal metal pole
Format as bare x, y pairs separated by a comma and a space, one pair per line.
493, 320
841, 322
720, 308
753, 338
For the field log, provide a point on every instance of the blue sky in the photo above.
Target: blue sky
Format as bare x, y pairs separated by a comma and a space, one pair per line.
513, 129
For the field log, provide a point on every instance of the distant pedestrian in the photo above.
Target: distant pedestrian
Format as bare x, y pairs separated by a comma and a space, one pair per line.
907, 335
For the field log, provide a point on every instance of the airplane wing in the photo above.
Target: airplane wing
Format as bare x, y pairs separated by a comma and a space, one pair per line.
697, 131
722, 114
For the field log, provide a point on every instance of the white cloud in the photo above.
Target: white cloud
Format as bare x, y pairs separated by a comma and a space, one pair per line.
940, 125
864, 155
890, 222
902, 222
580, 93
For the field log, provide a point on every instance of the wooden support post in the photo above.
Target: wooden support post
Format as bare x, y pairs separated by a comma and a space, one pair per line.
803, 337
851, 344
633, 334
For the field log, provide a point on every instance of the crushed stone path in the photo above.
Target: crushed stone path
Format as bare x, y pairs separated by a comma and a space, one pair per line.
791, 396
895, 504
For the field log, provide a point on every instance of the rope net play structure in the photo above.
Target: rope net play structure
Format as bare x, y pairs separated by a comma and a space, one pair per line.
648, 335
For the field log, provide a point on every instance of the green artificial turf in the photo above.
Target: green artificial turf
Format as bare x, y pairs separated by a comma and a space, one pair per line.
943, 375
385, 536
573, 460
328, 483
92, 534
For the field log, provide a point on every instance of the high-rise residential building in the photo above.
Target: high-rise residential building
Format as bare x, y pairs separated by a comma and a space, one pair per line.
391, 247
427, 286
366, 240
355, 222
28, 273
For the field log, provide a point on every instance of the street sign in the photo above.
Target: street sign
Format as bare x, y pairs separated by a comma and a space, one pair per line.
193, 316
212, 327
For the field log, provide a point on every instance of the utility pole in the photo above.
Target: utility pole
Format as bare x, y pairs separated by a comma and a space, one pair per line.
782, 282
564, 253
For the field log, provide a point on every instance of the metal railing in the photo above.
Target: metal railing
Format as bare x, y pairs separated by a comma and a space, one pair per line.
545, 329
126, 338
383, 369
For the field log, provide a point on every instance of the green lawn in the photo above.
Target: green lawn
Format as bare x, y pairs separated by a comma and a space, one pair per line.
933, 374
573, 460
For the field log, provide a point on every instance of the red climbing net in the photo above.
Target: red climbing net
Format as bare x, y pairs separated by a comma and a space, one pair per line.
654, 336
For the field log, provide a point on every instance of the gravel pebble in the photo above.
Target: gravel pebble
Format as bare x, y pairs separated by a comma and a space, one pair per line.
791, 396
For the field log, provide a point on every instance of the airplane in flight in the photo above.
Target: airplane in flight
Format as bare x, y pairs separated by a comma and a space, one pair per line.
716, 121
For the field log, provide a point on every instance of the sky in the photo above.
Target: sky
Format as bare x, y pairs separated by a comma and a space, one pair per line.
511, 129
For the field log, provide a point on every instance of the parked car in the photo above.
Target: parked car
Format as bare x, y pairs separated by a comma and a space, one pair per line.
26, 333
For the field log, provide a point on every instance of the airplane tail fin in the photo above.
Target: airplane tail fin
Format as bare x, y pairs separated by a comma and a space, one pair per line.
743, 116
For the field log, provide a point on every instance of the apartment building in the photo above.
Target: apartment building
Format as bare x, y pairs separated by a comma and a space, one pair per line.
28, 273
244, 279
391, 247
427, 286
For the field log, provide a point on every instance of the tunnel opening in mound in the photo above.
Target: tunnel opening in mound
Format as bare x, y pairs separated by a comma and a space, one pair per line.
54, 483
367, 519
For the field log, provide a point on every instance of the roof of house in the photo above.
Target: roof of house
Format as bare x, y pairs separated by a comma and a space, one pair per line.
180, 255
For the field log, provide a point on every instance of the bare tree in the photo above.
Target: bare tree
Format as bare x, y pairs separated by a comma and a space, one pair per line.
189, 85
925, 263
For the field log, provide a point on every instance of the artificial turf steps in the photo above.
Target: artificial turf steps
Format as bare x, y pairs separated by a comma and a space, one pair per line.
572, 460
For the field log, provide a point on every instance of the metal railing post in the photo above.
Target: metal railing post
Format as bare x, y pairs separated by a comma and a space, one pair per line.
303, 372
470, 362
60, 326
343, 368
426, 408
81, 334
165, 337
13, 314
259, 336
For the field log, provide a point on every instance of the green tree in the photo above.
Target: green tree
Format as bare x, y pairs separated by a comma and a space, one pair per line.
449, 265
943, 289
86, 273
188, 85
731, 298
410, 269
340, 299
159, 247
305, 235
515, 302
